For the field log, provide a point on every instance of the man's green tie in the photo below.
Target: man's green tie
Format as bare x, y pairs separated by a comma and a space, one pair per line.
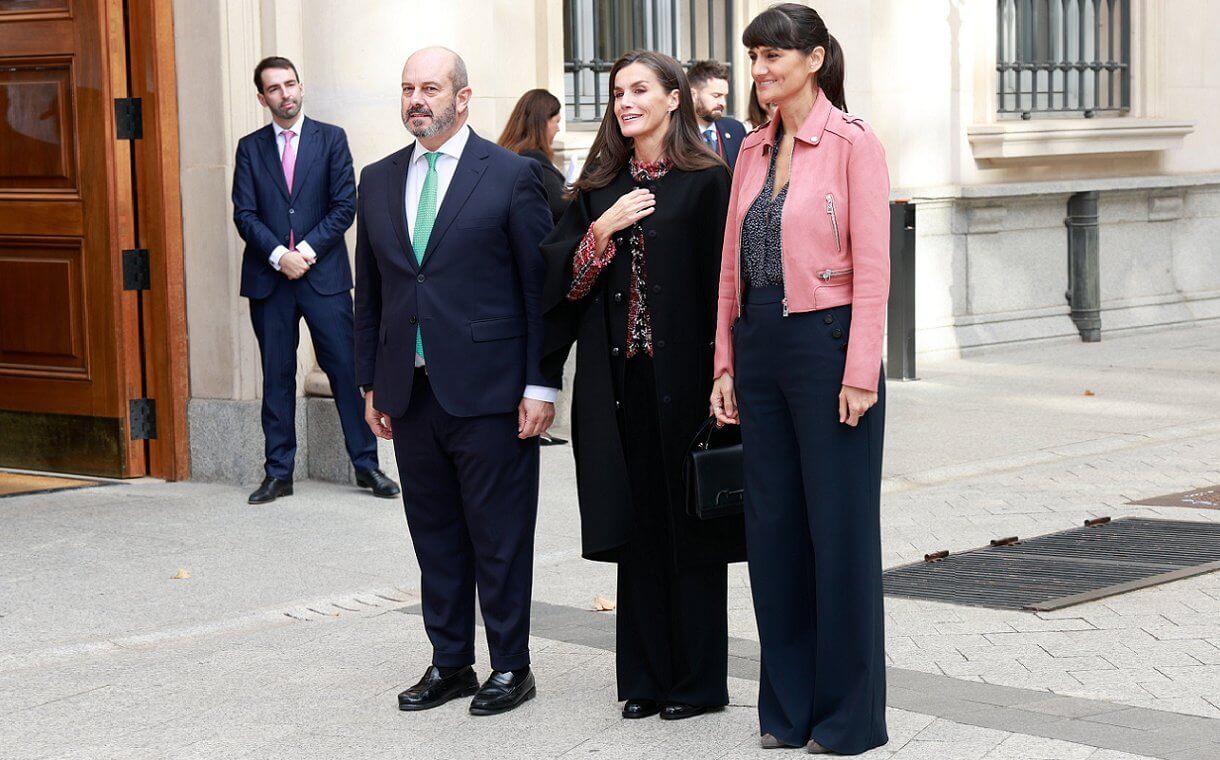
425, 217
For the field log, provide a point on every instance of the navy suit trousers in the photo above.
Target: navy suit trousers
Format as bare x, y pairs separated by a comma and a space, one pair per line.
277, 320
813, 533
470, 493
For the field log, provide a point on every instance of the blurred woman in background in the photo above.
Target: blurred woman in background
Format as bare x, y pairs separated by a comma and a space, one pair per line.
531, 129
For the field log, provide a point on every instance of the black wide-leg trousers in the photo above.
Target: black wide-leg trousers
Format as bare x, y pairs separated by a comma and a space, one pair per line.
813, 532
672, 616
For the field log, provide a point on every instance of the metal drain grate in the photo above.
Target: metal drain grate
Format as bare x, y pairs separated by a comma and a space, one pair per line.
1061, 569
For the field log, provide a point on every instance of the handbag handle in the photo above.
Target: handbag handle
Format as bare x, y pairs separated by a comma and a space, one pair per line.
703, 438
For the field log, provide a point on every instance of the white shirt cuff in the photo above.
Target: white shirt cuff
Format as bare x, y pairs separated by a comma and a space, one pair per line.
274, 258
540, 393
306, 250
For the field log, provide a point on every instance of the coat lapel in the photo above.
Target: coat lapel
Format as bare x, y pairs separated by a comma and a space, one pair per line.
270, 154
469, 171
307, 156
396, 198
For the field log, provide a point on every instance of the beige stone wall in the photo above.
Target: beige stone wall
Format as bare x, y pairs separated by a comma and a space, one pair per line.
923, 75
920, 73
350, 55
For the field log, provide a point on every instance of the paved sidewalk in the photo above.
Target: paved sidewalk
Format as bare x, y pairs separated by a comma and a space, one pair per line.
299, 623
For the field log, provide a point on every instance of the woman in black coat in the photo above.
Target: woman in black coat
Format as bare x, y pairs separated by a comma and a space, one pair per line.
530, 130
632, 280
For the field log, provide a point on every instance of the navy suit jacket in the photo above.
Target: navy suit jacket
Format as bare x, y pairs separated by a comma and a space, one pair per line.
319, 209
731, 132
476, 296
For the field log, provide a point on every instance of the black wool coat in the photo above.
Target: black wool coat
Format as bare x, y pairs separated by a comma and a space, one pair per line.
682, 249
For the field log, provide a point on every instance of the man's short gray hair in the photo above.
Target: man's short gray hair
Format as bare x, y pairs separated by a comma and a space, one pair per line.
459, 76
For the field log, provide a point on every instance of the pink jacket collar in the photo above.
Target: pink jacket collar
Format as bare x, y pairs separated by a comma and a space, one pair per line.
811, 131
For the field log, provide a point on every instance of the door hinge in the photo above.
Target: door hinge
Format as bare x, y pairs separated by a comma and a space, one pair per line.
143, 417
136, 275
128, 118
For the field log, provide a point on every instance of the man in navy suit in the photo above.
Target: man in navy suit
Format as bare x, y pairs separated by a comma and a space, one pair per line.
294, 195
709, 86
449, 283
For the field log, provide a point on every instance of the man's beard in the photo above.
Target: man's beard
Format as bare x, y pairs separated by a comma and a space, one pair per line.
709, 116
283, 113
439, 123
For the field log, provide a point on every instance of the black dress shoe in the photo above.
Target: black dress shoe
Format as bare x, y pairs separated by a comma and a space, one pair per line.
502, 692
434, 690
270, 490
378, 481
640, 708
678, 711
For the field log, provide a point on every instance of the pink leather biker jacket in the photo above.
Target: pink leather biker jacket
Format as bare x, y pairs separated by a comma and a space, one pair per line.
836, 232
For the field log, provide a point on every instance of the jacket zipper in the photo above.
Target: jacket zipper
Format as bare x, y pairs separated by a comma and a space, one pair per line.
834, 220
741, 228
828, 273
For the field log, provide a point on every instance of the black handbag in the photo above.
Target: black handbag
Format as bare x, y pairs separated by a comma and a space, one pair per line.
715, 479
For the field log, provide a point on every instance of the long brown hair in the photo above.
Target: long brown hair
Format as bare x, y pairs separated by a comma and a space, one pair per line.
682, 144
796, 27
754, 111
526, 127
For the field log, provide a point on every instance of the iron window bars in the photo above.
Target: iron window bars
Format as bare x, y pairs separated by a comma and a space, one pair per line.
597, 32
1063, 56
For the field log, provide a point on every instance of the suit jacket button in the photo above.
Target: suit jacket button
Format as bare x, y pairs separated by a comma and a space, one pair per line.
660, 344
292, 211
828, 319
652, 233
414, 319
837, 334
656, 288
665, 399
615, 351
421, 278
618, 297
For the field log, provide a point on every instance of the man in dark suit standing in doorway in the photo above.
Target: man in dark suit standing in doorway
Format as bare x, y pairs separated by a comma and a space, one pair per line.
709, 86
294, 195
449, 283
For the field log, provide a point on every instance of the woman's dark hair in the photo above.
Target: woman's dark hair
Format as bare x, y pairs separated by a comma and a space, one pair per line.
682, 144
754, 111
526, 127
789, 26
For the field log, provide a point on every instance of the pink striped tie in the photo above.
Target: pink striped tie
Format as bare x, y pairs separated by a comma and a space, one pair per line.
289, 162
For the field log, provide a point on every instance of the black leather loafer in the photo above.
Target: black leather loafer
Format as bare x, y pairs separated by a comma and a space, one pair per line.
381, 484
678, 711
640, 708
270, 490
434, 690
503, 692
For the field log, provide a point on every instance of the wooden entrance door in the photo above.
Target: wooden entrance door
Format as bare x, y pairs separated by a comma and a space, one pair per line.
73, 349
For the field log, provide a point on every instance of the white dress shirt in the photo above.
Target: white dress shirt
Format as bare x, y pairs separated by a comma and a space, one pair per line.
304, 248
446, 167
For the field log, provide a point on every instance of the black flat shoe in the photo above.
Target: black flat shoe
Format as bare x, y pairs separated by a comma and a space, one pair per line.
270, 490
640, 708
381, 484
503, 692
434, 690
678, 711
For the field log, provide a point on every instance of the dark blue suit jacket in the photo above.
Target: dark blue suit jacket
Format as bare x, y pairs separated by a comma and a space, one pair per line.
477, 294
731, 133
319, 209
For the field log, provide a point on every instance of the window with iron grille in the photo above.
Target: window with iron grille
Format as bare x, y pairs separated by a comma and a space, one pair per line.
1063, 57
597, 32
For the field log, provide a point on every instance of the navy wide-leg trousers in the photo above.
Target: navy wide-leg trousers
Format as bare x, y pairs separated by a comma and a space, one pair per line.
812, 528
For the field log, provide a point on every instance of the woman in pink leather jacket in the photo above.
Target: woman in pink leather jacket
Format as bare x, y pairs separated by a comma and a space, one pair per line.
803, 287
